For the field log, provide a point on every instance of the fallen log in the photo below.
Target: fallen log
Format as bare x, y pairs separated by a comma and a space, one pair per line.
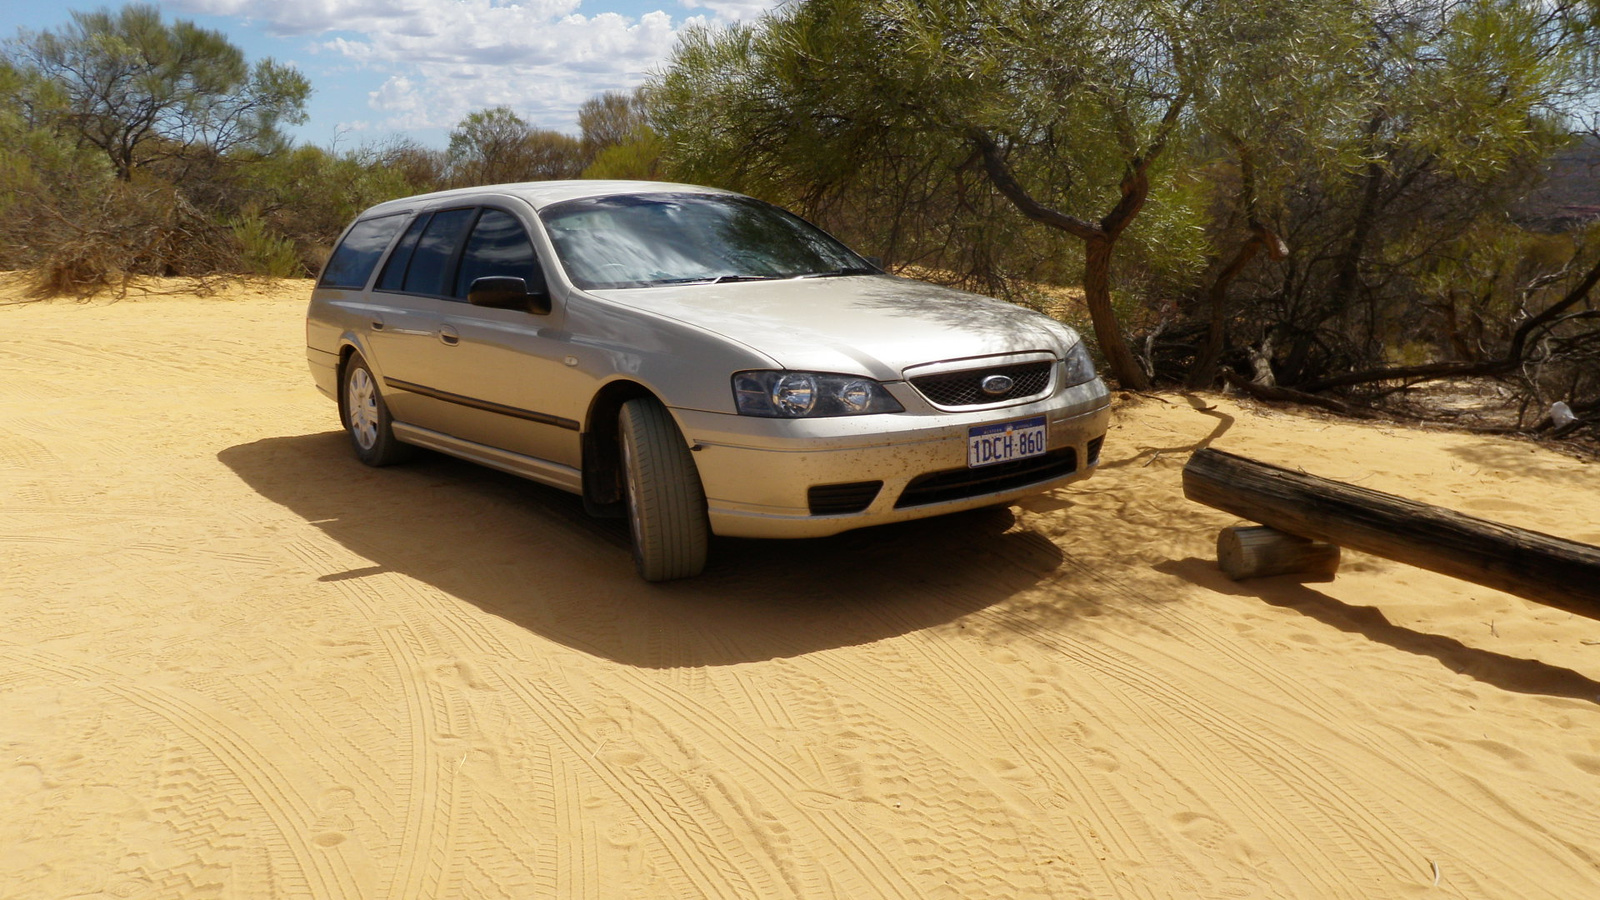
1550, 570
1261, 552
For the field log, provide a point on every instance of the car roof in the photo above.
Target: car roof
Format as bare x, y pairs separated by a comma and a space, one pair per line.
540, 194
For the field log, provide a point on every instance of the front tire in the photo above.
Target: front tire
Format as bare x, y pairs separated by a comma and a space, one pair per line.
366, 417
666, 503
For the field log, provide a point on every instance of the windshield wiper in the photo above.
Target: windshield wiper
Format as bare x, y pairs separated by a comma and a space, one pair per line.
835, 273
719, 279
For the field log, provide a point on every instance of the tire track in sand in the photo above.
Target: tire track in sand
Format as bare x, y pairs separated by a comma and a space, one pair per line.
1102, 840
775, 784
444, 730
427, 825
1309, 812
1424, 794
1188, 727
277, 790
707, 857
1296, 806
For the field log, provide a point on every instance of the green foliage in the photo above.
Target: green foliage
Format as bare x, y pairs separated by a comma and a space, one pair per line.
608, 120
1335, 181
1475, 75
308, 194
141, 90
495, 146
817, 109
1166, 251
264, 251
549, 156
485, 146
1443, 122
137, 146
635, 157
44, 175
1288, 174
936, 122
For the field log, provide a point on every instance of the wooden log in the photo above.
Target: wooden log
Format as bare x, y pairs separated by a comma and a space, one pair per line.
1535, 566
1261, 552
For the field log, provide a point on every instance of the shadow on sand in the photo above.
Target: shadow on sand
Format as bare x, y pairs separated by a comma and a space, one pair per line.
1148, 454
529, 554
1524, 676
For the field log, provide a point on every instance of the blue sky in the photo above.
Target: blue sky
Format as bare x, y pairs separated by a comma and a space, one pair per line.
381, 68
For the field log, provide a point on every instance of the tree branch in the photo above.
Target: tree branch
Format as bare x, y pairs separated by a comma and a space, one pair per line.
994, 163
1515, 354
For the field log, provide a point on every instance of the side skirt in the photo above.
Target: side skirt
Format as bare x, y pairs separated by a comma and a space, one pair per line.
564, 477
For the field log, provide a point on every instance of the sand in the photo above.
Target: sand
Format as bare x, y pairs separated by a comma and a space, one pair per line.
234, 663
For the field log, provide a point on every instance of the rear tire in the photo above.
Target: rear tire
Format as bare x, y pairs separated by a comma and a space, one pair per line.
666, 504
366, 417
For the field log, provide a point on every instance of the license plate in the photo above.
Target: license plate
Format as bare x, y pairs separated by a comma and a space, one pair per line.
1005, 441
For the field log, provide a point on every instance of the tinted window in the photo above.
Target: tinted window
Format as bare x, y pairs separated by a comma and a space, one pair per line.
498, 246
633, 240
433, 262
353, 260
394, 271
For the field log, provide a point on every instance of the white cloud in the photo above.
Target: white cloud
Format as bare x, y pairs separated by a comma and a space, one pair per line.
544, 74
724, 11
445, 58
397, 96
370, 16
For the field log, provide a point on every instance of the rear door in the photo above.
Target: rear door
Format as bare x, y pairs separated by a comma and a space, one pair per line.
411, 297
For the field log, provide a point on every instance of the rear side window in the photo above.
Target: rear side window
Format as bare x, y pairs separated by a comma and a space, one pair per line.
498, 246
394, 271
433, 261
353, 260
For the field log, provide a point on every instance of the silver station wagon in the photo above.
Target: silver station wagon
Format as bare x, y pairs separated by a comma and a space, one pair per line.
698, 361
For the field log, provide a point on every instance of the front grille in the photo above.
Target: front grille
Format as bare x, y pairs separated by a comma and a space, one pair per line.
959, 484
1094, 449
964, 388
838, 499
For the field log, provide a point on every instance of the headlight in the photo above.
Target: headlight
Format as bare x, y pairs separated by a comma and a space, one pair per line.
1078, 367
793, 395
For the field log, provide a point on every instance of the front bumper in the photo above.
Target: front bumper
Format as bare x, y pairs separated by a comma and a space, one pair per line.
759, 473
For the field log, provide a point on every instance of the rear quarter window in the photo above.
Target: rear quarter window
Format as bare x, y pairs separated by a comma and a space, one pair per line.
434, 259
357, 255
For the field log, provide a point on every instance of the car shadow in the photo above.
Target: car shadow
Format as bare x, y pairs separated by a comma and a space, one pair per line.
1509, 673
529, 554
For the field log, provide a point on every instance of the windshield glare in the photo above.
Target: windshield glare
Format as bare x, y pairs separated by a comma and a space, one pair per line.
641, 240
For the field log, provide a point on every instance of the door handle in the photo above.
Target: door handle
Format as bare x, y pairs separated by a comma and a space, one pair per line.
449, 335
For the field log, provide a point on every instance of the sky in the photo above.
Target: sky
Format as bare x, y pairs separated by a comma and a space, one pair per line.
385, 68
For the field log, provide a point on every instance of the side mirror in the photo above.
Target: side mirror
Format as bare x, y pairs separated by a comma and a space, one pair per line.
874, 261
509, 292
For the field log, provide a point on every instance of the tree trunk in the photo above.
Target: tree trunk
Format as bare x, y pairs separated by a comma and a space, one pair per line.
1107, 332
1348, 274
1204, 371
1098, 241
1539, 567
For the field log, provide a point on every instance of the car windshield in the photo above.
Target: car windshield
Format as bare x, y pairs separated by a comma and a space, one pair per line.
644, 240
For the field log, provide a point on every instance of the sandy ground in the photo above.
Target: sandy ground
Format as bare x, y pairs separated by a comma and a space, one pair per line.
234, 663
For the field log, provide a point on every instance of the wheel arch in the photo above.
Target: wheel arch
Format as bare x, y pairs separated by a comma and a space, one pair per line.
347, 349
602, 447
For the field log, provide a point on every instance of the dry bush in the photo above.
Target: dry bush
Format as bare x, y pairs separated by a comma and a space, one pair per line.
127, 230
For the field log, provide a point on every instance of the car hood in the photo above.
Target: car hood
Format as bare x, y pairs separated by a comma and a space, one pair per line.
874, 325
